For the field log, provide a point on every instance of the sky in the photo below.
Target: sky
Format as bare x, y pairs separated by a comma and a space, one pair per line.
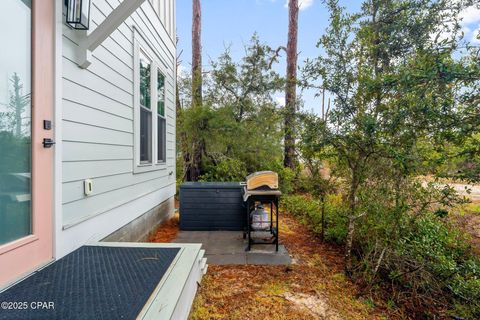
233, 22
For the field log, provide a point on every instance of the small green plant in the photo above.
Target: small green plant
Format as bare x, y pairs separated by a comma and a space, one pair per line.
369, 302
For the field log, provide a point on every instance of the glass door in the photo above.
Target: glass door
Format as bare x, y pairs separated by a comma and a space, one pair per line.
15, 120
26, 167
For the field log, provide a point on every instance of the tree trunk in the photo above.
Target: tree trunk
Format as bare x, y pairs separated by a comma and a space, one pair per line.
196, 54
291, 86
323, 218
194, 169
351, 222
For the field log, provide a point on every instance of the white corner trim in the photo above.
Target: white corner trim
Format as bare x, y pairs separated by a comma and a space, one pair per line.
58, 116
90, 42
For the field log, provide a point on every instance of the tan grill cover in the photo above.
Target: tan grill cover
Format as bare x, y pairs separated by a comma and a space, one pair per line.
262, 179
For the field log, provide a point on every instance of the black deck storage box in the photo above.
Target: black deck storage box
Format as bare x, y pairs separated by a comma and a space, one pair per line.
211, 206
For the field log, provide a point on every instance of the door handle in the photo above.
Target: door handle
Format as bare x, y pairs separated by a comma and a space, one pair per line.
48, 143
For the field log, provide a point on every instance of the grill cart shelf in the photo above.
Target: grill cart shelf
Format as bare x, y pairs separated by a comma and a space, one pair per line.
269, 198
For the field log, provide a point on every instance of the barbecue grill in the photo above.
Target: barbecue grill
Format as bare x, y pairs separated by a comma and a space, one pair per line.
260, 192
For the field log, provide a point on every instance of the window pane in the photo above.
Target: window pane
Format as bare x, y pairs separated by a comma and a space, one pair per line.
161, 139
15, 115
160, 93
145, 72
145, 135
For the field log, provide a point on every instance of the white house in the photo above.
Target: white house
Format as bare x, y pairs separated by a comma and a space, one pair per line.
87, 129
116, 126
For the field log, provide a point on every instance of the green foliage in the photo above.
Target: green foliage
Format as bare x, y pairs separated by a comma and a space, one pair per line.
401, 87
423, 254
309, 212
226, 170
286, 176
405, 104
434, 258
239, 119
441, 213
316, 155
460, 161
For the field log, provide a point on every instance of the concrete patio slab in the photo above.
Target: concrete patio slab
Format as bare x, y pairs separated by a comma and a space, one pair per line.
223, 259
223, 246
268, 259
228, 247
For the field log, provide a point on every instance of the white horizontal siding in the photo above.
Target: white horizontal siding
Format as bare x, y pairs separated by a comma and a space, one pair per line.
92, 207
95, 229
97, 119
98, 100
76, 112
104, 83
81, 151
79, 132
74, 191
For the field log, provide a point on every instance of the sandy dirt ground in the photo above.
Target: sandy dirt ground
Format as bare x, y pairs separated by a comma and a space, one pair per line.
473, 193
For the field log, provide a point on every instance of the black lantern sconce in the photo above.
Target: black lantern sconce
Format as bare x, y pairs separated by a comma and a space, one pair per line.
78, 14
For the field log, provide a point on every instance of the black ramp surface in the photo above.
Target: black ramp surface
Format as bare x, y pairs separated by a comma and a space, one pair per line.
92, 282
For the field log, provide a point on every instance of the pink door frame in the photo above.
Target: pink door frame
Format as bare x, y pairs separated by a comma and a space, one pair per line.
20, 257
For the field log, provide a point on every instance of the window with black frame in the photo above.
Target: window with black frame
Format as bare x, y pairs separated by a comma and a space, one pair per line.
161, 124
145, 110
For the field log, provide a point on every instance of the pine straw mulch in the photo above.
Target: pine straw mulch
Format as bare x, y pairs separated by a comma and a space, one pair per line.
166, 232
313, 287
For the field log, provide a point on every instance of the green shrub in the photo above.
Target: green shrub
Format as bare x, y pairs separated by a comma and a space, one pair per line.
447, 260
425, 257
226, 170
286, 176
286, 179
309, 212
336, 211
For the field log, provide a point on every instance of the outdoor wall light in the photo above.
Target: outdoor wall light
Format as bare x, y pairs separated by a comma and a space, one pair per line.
78, 14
